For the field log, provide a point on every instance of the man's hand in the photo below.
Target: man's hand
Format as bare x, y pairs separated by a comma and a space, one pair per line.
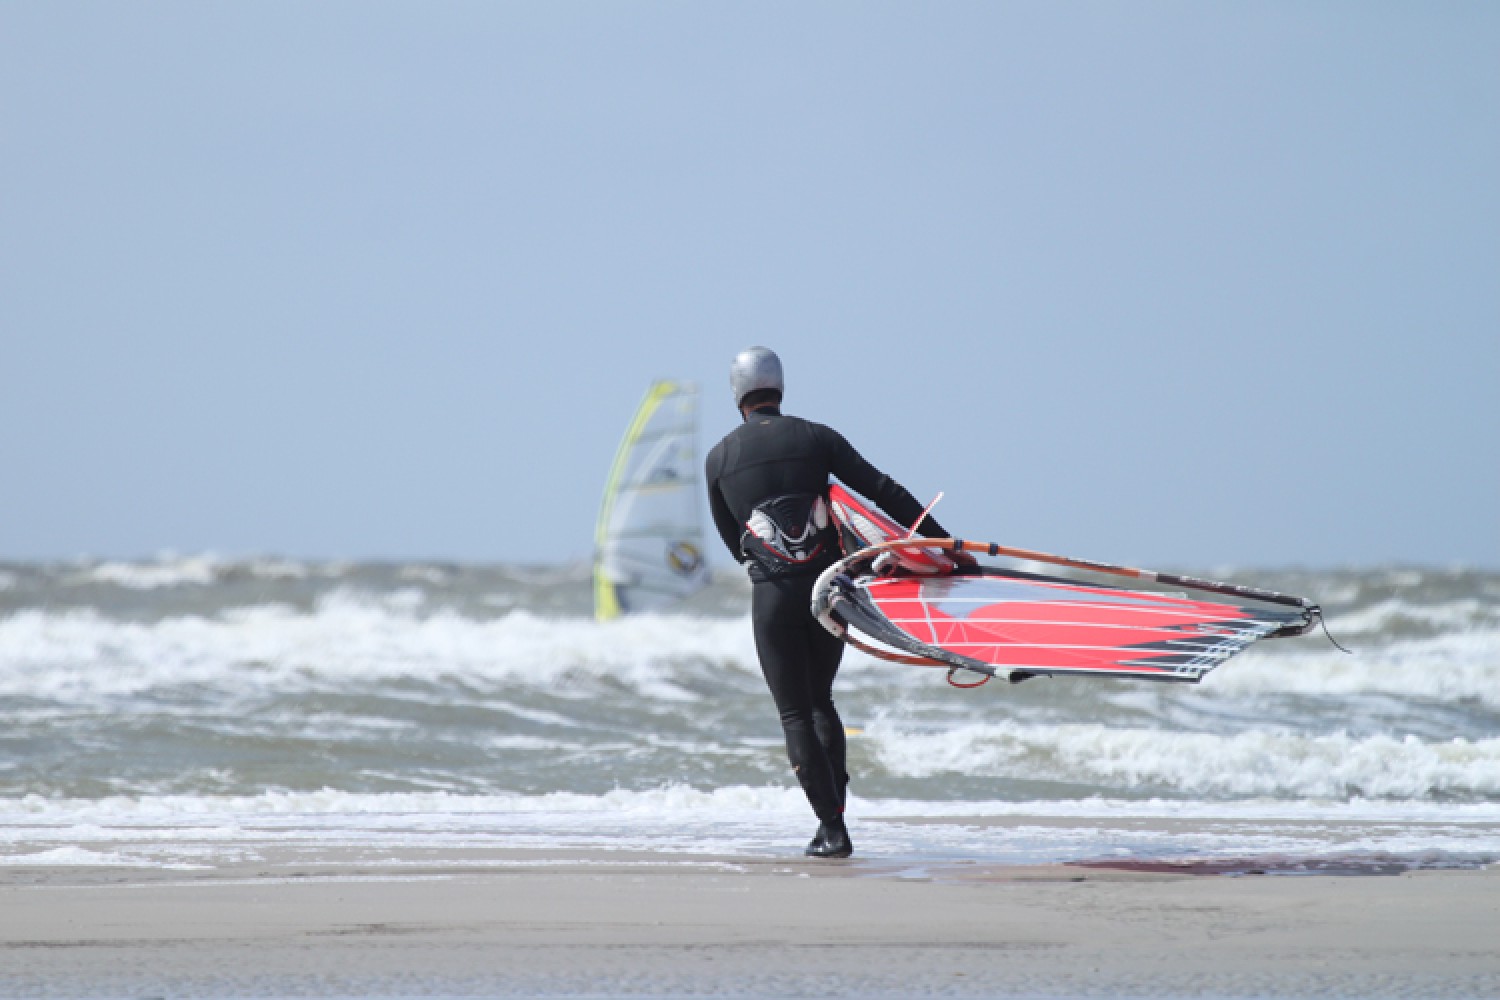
963, 560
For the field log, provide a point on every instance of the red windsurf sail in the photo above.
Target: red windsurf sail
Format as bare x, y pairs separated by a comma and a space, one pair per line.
862, 525
909, 596
1016, 623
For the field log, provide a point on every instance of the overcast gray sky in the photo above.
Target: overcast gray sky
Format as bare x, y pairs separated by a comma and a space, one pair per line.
1177, 284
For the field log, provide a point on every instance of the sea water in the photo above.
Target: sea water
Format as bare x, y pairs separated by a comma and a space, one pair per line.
176, 711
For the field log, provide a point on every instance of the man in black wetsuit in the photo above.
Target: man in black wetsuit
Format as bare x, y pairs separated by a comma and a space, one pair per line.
767, 484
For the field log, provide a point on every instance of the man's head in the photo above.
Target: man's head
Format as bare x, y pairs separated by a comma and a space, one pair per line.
755, 378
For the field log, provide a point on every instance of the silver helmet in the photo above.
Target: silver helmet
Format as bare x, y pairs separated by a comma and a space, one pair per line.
755, 368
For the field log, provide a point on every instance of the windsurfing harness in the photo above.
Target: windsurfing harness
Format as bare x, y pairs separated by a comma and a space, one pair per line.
790, 535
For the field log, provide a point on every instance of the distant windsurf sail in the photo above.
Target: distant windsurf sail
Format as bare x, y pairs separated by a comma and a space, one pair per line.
1013, 624
648, 547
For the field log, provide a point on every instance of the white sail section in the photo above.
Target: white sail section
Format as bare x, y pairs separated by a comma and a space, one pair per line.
648, 548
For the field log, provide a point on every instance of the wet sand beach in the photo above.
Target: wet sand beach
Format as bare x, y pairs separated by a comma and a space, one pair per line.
341, 922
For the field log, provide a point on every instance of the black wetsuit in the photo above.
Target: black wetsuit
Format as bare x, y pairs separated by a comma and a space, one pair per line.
765, 480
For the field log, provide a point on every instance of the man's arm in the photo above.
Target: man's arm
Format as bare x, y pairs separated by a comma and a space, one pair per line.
890, 496
729, 528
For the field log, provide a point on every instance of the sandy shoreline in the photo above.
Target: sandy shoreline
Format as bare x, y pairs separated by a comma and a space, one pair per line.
340, 922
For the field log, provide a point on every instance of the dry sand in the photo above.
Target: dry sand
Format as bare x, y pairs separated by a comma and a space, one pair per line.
605, 924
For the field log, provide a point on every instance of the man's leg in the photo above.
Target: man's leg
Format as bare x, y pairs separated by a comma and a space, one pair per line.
827, 650
779, 613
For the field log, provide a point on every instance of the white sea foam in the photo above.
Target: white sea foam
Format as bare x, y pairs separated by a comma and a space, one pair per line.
183, 831
226, 817
166, 571
204, 569
672, 800
351, 637
278, 569
1259, 763
1465, 613
356, 634
1452, 666
434, 575
58, 856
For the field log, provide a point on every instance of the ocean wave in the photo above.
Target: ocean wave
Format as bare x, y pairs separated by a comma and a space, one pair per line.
69, 857
228, 817
1397, 616
675, 823
353, 637
165, 572
382, 678
1451, 667
1259, 763
353, 634
150, 810
169, 570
